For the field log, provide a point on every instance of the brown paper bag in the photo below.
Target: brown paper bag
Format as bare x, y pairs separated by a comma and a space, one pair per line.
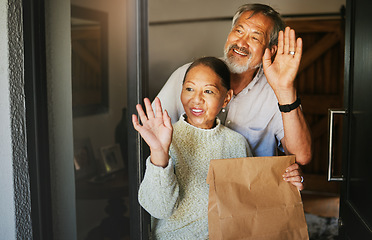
248, 199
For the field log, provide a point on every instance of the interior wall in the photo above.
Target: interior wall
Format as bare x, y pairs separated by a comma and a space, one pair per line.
161, 10
7, 204
174, 44
21, 177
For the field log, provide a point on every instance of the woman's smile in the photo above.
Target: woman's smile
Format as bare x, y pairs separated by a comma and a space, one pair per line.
197, 111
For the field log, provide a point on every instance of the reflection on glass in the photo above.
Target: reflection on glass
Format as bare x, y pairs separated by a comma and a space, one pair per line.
100, 119
89, 61
360, 194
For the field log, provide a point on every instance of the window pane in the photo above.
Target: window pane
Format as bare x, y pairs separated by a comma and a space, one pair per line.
99, 103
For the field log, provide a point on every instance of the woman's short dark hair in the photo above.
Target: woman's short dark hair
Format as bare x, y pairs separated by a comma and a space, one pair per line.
278, 23
217, 65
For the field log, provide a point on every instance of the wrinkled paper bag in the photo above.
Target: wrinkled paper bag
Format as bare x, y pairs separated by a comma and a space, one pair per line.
248, 199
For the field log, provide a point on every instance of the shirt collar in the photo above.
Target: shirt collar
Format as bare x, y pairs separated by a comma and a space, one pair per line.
258, 76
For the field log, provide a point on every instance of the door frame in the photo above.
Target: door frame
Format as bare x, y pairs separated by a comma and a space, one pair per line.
137, 56
347, 100
37, 114
35, 87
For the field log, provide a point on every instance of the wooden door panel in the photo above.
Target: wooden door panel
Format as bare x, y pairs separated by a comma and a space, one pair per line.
320, 85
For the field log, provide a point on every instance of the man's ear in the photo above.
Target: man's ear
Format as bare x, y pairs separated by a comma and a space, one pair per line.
273, 50
228, 97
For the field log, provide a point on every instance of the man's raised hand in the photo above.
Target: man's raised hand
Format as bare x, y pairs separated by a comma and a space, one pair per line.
282, 72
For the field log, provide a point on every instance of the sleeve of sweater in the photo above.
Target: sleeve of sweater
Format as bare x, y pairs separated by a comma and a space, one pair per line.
159, 190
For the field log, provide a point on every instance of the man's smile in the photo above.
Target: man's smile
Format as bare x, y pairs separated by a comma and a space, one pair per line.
239, 52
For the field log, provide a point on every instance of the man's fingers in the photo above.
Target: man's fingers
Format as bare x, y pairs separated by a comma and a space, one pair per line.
296, 181
293, 170
293, 174
299, 185
296, 178
296, 174
286, 41
298, 49
266, 59
292, 41
292, 167
281, 42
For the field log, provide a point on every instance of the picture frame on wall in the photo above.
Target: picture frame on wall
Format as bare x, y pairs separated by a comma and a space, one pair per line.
84, 161
112, 159
89, 61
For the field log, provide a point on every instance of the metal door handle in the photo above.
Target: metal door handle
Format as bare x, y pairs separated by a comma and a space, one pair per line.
331, 113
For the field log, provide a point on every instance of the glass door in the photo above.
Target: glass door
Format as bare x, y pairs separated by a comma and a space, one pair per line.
108, 63
356, 195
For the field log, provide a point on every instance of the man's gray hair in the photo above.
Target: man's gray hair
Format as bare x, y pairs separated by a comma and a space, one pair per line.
278, 23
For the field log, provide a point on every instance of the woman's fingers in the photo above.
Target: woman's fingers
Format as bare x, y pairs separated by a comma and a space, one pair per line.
149, 111
149, 115
167, 120
158, 108
136, 123
141, 113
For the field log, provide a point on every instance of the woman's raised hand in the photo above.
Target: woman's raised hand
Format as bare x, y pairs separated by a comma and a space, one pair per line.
156, 130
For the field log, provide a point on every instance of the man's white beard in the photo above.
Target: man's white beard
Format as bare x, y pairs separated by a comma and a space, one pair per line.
236, 67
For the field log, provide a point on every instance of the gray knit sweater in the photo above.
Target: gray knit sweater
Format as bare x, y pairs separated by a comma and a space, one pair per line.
177, 196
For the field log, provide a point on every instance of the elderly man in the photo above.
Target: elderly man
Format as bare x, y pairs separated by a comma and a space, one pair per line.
265, 107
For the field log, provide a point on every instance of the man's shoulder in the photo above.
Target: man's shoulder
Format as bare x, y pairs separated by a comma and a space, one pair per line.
182, 69
177, 76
